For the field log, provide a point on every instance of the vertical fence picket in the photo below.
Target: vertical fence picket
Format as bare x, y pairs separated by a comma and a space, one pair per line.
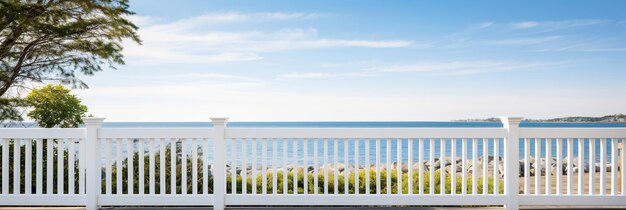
244, 166
130, 151
496, 165
151, 163
537, 166
39, 166
315, 168
173, 154
49, 165
356, 166
183, 168
5, 162
388, 166
233, 166
109, 172
570, 170
409, 164
346, 164
614, 167
28, 162
603, 166
464, 167
118, 166
592, 166
274, 163
378, 188
205, 166
264, 165
142, 160
485, 166
548, 166
453, 157
526, 166
421, 166
559, 166
474, 168
325, 142
17, 167
442, 165
194, 168
305, 165
398, 165
70, 164
367, 166
431, 165
336, 166
254, 165
82, 152
162, 175
623, 165
581, 166
296, 170
285, 163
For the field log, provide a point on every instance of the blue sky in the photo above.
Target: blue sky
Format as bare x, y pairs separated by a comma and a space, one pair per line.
366, 60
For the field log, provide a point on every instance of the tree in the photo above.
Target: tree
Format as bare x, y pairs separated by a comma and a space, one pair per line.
9, 110
55, 106
53, 40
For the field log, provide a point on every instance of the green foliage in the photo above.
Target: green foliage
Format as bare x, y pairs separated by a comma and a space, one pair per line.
352, 184
45, 166
51, 39
9, 109
55, 106
54, 40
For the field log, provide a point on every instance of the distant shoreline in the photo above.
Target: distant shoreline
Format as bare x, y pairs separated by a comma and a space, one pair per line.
608, 118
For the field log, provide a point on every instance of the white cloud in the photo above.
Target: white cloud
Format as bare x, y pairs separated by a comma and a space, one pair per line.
525, 25
311, 75
188, 41
554, 25
213, 76
524, 41
452, 68
605, 50
457, 68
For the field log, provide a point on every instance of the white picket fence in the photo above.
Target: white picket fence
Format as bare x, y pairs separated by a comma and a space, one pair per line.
223, 166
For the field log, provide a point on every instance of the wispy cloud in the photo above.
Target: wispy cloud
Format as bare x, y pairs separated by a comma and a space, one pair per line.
458, 68
450, 68
213, 76
605, 50
523, 41
554, 25
188, 41
525, 25
311, 75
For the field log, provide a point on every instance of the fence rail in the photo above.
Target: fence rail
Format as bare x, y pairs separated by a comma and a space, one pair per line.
221, 166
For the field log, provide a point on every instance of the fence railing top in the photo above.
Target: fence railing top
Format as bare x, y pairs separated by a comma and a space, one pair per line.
572, 132
37, 133
365, 133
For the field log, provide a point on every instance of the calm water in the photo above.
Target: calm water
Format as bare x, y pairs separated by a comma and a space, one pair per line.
372, 147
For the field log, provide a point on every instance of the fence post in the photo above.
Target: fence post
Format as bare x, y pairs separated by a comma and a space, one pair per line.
219, 161
93, 177
511, 161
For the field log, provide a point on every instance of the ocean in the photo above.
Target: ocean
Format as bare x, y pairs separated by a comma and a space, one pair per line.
392, 124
